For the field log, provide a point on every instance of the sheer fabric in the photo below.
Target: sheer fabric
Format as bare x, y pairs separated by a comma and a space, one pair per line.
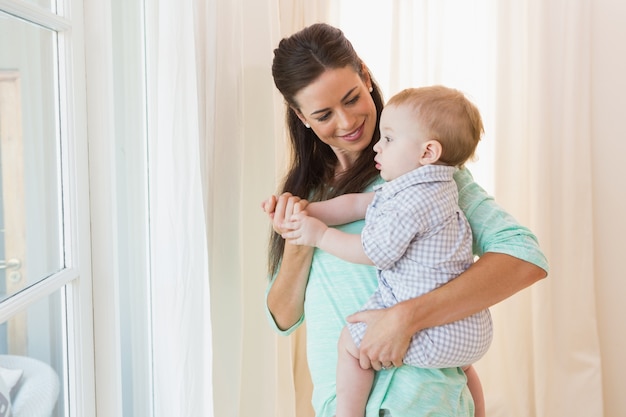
182, 341
547, 349
242, 152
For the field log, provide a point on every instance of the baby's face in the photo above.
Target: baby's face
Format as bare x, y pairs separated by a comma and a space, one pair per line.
400, 147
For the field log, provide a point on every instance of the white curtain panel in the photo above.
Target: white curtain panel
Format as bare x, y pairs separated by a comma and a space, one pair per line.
545, 359
182, 338
243, 153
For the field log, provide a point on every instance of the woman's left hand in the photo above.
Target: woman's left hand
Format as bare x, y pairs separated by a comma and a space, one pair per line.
387, 336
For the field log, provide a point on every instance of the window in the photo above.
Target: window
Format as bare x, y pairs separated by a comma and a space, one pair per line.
45, 268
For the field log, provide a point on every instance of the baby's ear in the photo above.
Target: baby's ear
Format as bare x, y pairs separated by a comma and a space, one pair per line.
431, 152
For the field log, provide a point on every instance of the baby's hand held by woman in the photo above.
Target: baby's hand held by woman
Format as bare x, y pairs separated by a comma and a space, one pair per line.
302, 229
281, 208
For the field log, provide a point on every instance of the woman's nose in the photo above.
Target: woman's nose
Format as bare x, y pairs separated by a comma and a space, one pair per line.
345, 119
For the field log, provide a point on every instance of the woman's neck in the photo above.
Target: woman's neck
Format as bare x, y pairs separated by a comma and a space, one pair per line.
345, 161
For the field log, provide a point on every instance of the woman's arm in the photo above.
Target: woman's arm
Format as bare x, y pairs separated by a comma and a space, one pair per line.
285, 298
491, 279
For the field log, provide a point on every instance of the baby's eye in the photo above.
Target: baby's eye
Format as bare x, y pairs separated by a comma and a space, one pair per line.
387, 139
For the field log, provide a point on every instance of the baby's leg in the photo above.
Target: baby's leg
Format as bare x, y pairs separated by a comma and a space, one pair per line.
353, 382
476, 389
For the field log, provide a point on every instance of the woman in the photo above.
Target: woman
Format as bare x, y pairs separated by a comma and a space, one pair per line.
333, 111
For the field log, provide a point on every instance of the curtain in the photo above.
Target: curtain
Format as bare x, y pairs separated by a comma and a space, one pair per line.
527, 66
243, 156
419, 43
181, 307
545, 360
294, 387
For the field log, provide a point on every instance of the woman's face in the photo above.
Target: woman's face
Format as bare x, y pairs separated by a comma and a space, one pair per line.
340, 110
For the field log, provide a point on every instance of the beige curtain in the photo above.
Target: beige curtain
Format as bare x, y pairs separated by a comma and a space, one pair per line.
546, 359
608, 147
255, 372
553, 116
244, 156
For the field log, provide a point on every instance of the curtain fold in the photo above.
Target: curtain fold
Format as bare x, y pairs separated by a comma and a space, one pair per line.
243, 156
545, 360
181, 319
294, 387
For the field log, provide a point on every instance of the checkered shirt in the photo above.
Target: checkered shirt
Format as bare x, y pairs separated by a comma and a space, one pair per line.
419, 239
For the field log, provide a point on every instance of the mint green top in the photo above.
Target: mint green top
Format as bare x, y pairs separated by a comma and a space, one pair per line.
337, 289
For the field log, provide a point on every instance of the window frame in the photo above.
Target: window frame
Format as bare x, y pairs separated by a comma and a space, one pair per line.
74, 281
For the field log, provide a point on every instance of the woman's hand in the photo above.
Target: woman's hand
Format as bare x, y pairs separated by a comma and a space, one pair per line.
281, 208
387, 336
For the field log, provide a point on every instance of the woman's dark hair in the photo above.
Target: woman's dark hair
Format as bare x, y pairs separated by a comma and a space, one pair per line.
298, 61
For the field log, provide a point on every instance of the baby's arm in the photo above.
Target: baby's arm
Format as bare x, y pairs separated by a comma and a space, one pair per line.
310, 231
342, 209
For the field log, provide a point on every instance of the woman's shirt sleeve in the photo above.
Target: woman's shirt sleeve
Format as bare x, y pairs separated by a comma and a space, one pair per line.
493, 229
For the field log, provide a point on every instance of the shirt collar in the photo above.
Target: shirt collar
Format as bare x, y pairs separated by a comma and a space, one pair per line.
424, 174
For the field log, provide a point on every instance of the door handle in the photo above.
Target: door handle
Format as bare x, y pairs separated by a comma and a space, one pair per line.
10, 264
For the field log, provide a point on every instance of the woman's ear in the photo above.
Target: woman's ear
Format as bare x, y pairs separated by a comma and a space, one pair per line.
431, 152
366, 76
300, 116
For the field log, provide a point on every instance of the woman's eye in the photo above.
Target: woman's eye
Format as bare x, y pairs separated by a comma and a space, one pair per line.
324, 117
353, 100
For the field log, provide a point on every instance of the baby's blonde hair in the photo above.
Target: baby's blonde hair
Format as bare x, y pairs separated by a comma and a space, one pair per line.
448, 117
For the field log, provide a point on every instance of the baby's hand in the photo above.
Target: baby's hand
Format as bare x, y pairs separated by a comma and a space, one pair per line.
302, 229
282, 208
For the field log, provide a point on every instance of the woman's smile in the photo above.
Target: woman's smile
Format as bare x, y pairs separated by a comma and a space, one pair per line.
354, 135
339, 108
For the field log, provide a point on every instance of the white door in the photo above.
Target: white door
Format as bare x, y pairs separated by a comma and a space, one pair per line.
46, 323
